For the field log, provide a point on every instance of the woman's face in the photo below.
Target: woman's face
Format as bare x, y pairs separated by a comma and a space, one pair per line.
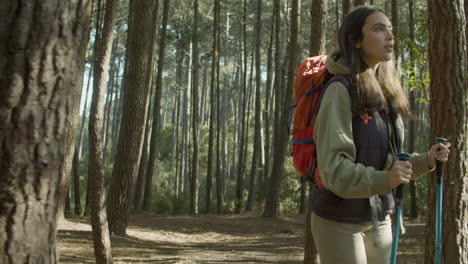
377, 42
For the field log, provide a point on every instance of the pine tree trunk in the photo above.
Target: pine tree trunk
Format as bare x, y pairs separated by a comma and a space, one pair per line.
214, 71
318, 14
449, 119
412, 123
359, 3
258, 110
268, 101
241, 167
37, 87
140, 183
102, 244
140, 53
346, 7
72, 128
395, 22
318, 25
186, 128
195, 114
219, 197
148, 196
272, 202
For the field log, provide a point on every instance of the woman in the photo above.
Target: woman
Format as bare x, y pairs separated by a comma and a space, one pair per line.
359, 132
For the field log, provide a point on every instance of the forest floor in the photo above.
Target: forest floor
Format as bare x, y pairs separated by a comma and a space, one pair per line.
209, 239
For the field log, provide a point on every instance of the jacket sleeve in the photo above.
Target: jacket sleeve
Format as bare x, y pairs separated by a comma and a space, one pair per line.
336, 152
419, 165
418, 161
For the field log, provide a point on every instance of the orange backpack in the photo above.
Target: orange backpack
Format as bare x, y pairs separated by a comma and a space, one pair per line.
311, 79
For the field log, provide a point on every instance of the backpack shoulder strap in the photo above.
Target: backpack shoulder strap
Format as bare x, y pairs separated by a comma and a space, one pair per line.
343, 79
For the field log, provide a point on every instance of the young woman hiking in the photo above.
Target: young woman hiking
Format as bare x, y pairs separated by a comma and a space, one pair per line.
358, 133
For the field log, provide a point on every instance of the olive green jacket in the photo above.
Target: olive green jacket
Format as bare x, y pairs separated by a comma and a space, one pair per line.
336, 151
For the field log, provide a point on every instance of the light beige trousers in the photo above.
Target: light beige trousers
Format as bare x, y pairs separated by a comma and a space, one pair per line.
346, 243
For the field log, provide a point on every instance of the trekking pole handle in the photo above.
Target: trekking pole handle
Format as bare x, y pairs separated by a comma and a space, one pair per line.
403, 156
439, 163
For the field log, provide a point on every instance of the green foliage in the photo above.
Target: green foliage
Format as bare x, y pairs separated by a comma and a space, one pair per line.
290, 193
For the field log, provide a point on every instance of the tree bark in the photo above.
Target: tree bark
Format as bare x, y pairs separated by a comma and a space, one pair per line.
268, 100
241, 167
272, 202
40, 61
72, 126
195, 112
358, 3
136, 89
102, 244
310, 252
346, 7
214, 71
258, 110
318, 14
449, 118
148, 197
216, 34
395, 22
412, 123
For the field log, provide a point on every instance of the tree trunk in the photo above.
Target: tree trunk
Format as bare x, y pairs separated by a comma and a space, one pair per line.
186, 128
195, 112
140, 183
412, 123
72, 127
359, 3
37, 86
395, 22
258, 110
148, 197
102, 244
268, 96
214, 71
346, 7
216, 35
272, 202
310, 252
140, 56
318, 14
241, 167
449, 119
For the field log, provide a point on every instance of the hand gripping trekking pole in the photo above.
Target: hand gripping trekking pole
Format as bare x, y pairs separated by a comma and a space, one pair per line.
398, 200
439, 206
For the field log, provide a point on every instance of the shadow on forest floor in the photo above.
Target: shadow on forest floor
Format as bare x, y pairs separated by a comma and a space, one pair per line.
208, 239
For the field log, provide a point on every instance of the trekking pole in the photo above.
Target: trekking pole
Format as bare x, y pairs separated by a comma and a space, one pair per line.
439, 206
398, 199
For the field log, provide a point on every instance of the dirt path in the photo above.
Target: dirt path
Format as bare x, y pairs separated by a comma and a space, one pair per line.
208, 239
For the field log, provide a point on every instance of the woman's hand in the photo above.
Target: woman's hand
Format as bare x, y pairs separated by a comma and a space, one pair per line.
399, 173
438, 152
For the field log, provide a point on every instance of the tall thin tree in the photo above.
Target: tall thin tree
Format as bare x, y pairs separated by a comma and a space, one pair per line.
412, 99
216, 34
258, 109
272, 202
214, 79
148, 197
102, 248
317, 47
195, 114
136, 90
241, 167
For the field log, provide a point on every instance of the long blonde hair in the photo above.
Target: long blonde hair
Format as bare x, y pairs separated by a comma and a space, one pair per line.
374, 92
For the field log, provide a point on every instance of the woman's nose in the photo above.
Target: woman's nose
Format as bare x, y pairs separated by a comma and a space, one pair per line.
390, 35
